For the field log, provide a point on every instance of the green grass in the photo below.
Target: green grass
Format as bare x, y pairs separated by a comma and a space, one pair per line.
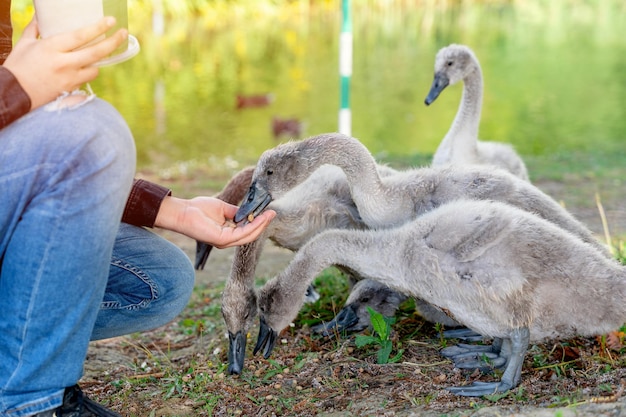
598, 164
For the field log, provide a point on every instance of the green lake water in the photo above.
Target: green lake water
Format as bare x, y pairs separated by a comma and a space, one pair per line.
554, 75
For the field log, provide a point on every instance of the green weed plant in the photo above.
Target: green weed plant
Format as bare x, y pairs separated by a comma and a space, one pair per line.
381, 337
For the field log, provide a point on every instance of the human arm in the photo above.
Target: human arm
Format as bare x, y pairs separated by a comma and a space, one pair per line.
205, 219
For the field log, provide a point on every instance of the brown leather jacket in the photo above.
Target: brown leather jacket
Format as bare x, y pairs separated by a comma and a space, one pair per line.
145, 197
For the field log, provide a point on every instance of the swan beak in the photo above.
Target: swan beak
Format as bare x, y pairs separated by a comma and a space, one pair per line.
344, 321
236, 352
202, 254
266, 340
255, 202
311, 295
440, 82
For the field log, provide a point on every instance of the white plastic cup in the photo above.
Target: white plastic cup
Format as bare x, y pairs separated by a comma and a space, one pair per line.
60, 16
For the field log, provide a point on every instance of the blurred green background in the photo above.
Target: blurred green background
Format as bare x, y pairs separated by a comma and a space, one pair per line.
554, 70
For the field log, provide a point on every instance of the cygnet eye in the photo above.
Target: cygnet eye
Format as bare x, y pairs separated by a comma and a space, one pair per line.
270, 172
450, 63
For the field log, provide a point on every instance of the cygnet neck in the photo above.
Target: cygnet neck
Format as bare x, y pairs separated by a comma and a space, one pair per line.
459, 144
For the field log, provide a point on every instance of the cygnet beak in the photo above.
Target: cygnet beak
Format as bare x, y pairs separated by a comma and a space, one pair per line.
236, 352
311, 295
266, 340
345, 321
202, 254
254, 203
440, 82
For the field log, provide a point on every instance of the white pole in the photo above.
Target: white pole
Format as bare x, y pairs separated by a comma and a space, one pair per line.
345, 70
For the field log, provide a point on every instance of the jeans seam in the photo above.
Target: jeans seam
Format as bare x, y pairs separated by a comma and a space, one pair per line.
142, 276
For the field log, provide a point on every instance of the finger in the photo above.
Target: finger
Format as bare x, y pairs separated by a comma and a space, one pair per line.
229, 210
85, 74
236, 237
243, 234
96, 52
270, 214
261, 219
239, 235
67, 42
251, 231
31, 31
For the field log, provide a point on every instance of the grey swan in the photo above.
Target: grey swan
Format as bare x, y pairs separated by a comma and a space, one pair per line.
501, 271
456, 63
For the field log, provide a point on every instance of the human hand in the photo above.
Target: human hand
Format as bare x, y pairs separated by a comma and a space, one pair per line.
45, 68
209, 220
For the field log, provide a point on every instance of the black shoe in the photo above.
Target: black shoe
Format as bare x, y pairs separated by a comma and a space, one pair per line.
76, 404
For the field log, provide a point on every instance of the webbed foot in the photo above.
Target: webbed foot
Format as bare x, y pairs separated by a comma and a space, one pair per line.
483, 357
513, 349
486, 362
464, 334
478, 389
463, 348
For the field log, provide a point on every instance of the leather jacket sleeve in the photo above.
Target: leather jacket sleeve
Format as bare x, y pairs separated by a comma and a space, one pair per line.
144, 203
6, 30
14, 102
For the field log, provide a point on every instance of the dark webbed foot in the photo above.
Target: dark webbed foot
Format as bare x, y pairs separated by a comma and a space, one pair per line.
478, 389
486, 362
465, 349
483, 357
513, 350
464, 334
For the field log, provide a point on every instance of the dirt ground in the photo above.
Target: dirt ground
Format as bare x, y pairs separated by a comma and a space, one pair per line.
336, 382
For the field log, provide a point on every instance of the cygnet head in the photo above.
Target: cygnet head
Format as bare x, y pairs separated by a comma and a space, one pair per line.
239, 310
452, 64
354, 316
277, 306
282, 168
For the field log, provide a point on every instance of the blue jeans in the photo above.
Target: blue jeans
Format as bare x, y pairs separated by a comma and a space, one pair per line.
69, 272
